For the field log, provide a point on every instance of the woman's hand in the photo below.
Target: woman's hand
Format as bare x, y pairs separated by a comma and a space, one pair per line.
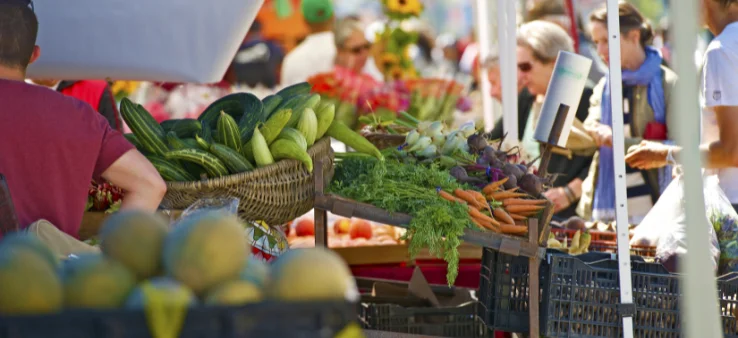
558, 197
647, 155
602, 135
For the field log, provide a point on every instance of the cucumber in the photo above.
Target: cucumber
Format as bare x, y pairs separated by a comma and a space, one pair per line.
212, 165
134, 140
286, 149
234, 161
325, 114
295, 89
271, 103
352, 139
202, 143
167, 125
274, 125
252, 117
150, 135
236, 105
207, 135
186, 127
308, 126
293, 135
190, 142
174, 142
309, 101
170, 171
228, 133
262, 156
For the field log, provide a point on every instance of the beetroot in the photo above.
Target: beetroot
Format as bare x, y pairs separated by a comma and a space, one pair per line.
512, 170
512, 182
476, 143
531, 184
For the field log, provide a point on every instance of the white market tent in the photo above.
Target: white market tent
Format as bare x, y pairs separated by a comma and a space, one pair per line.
162, 40
699, 293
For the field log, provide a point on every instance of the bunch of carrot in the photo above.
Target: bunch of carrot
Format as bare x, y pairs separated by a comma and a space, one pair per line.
495, 219
515, 207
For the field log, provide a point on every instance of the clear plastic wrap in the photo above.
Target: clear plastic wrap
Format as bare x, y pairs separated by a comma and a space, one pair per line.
225, 204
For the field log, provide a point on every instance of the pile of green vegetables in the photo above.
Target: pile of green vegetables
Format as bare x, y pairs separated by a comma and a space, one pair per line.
399, 187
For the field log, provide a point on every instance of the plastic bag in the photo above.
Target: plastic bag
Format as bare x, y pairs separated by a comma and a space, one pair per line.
225, 204
665, 226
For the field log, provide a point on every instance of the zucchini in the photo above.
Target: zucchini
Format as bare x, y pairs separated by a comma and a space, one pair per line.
207, 135
262, 156
212, 165
325, 114
308, 126
271, 103
295, 89
228, 133
247, 150
134, 140
252, 117
170, 171
310, 101
234, 161
236, 105
352, 139
190, 142
175, 142
286, 149
274, 125
167, 125
293, 135
186, 127
150, 135
202, 143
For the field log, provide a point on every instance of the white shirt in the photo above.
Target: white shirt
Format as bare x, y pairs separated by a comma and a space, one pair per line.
720, 88
313, 56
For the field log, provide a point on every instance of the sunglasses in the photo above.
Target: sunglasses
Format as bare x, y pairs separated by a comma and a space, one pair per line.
525, 67
359, 49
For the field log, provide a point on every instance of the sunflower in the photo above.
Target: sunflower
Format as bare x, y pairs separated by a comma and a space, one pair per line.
404, 7
396, 73
389, 60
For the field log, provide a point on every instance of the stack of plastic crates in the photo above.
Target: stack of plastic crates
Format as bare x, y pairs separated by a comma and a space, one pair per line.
442, 322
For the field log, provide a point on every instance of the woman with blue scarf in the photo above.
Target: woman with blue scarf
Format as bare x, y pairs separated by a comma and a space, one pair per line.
647, 84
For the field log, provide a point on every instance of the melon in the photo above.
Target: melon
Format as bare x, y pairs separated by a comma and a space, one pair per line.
93, 281
30, 241
29, 284
312, 274
255, 271
237, 292
206, 249
165, 290
135, 239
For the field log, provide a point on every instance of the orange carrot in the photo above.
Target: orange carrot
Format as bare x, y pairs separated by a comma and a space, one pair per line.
476, 214
481, 199
490, 220
503, 216
518, 217
449, 197
520, 201
486, 225
467, 197
494, 186
527, 213
499, 196
512, 189
513, 229
477, 223
523, 208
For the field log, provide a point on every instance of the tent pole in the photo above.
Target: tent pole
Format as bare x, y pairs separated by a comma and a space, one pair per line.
484, 39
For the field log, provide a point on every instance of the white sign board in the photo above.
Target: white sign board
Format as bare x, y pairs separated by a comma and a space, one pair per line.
161, 40
562, 99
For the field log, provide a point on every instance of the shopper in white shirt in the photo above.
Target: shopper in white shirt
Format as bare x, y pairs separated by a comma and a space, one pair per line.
719, 101
317, 53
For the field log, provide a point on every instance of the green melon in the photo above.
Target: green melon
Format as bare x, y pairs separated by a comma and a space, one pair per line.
93, 281
236, 292
29, 284
205, 250
165, 289
30, 240
255, 271
135, 239
315, 274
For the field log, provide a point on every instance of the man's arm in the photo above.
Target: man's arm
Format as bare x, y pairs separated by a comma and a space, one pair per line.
143, 185
722, 153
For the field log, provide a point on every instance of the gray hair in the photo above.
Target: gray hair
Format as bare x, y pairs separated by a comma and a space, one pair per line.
343, 29
545, 39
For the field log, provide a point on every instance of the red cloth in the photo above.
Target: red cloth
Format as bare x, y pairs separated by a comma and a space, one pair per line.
434, 272
52, 146
91, 92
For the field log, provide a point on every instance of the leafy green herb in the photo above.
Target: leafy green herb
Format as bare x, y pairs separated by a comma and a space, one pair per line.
398, 187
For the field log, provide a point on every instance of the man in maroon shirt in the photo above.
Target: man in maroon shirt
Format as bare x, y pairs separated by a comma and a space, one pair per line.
53, 145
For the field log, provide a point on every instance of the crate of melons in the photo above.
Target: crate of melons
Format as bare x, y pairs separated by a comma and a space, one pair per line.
195, 280
260, 151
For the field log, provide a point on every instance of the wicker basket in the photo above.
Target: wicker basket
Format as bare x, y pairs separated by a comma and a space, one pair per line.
275, 194
384, 141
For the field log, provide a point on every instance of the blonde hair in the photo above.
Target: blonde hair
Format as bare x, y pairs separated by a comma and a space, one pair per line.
545, 39
343, 29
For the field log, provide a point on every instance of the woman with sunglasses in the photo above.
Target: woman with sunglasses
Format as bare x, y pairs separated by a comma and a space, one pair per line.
539, 43
353, 49
646, 88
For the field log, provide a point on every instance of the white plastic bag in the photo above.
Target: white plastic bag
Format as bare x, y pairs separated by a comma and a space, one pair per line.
665, 226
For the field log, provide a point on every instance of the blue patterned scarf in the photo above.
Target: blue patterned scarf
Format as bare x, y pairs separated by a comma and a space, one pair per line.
650, 74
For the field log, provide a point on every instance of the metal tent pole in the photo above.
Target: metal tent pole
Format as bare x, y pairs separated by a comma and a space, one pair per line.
484, 40
627, 308
700, 312
506, 32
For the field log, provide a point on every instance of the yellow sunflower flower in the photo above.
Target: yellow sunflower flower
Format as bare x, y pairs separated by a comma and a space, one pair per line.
389, 60
396, 73
405, 6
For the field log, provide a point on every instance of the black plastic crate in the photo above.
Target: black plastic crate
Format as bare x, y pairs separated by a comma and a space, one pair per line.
307, 320
442, 322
